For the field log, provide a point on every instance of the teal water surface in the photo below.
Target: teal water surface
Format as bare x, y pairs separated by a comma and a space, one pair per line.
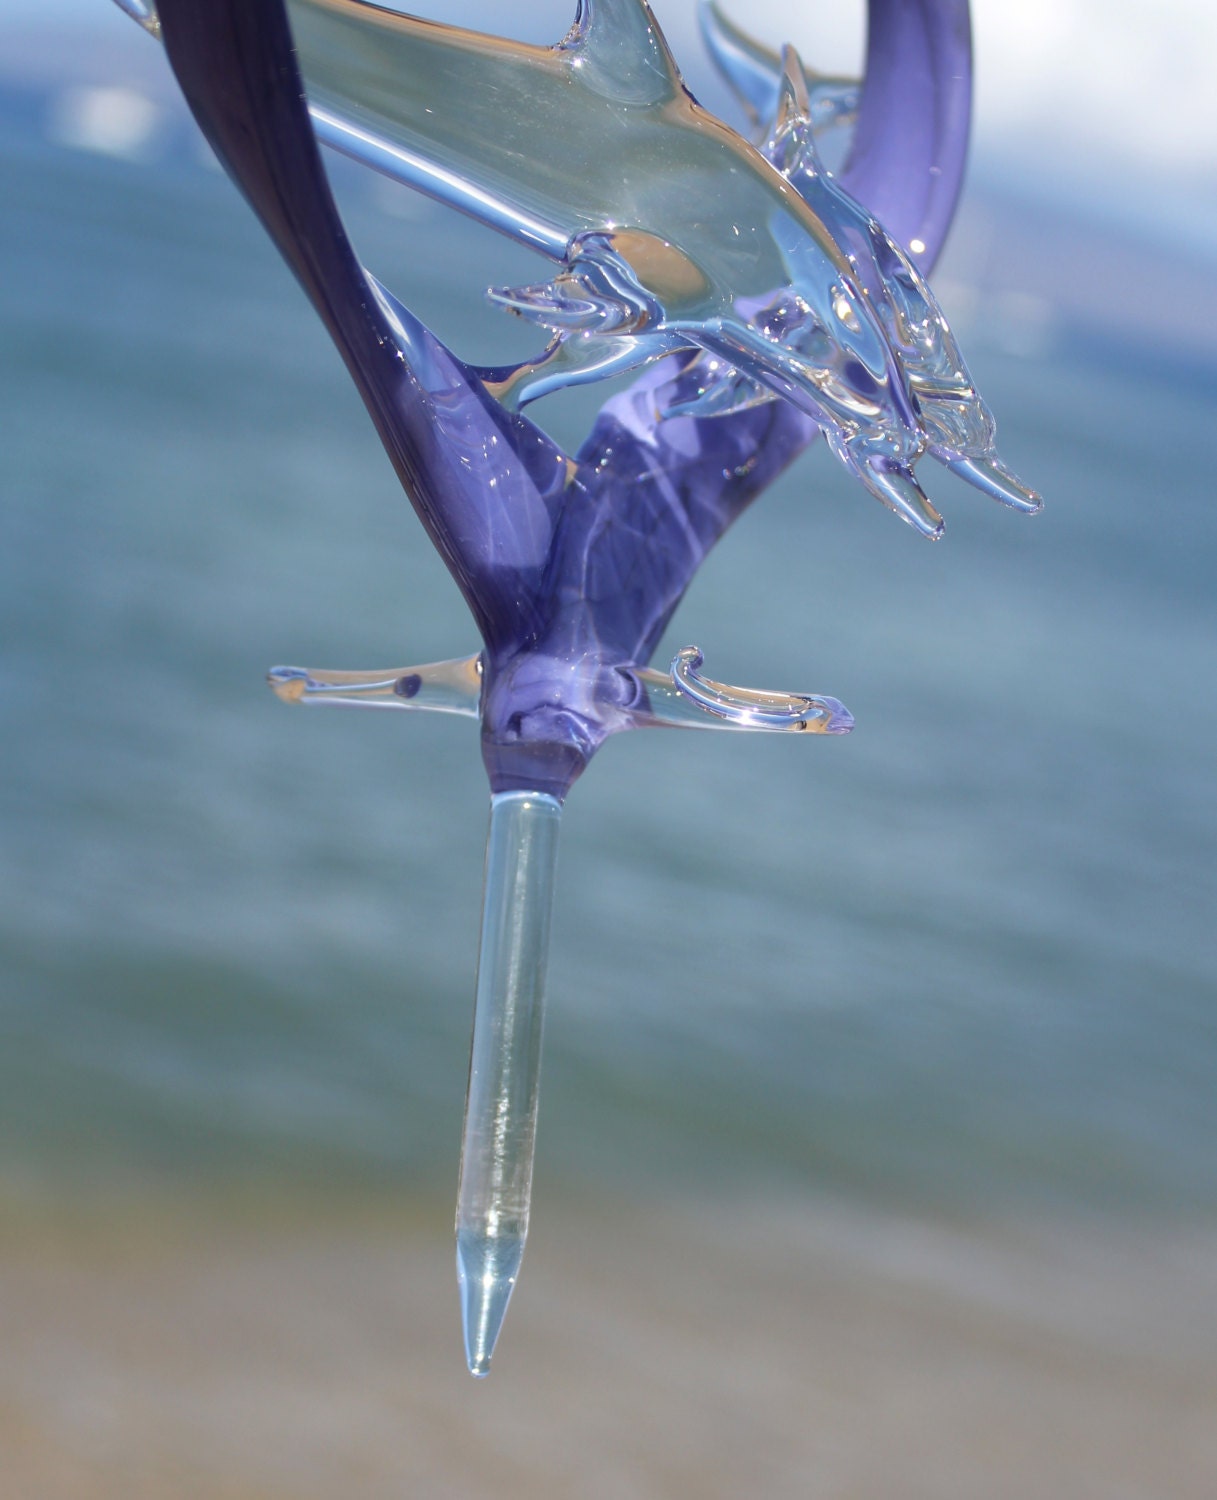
966, 952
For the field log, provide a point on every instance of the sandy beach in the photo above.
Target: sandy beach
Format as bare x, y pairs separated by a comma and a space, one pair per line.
729, 1350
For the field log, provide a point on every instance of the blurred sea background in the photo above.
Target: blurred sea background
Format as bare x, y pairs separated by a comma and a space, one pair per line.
878, 1145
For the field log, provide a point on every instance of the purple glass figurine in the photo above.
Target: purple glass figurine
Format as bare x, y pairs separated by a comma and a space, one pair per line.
769, 301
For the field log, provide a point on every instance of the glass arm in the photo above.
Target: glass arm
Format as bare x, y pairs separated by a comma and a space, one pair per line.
446, 687
684, 699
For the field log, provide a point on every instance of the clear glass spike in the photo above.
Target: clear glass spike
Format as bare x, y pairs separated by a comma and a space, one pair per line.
504, 1064
144, 12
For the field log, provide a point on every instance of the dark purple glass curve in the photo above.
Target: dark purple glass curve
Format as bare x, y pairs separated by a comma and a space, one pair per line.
911, 142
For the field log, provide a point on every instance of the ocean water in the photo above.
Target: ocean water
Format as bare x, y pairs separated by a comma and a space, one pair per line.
966, 954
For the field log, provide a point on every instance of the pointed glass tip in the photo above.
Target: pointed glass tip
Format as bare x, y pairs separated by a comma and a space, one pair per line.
486, 1268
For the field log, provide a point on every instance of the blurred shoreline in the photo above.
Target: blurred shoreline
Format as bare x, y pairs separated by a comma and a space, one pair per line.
723, 1348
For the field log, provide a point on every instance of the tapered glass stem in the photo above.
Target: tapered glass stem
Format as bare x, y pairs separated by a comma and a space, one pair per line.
505, 1063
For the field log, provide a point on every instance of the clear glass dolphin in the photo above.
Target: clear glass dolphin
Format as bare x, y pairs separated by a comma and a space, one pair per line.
674, 232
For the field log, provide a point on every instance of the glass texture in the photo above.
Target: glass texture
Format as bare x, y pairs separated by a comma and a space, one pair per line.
449, 687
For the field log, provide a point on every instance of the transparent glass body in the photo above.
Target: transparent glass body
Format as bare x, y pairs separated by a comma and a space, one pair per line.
675, 232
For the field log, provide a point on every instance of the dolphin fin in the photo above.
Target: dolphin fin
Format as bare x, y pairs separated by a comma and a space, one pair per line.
791, 145
793, 102
623, 51
561, 305
598, 291
810, 98
896, 486
992, 478
751, 71
572, 359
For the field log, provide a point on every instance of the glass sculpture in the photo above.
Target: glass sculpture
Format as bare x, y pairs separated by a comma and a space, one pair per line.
766, 301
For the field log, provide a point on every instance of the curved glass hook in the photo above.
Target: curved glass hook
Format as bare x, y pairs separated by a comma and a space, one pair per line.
753, 709
717, 704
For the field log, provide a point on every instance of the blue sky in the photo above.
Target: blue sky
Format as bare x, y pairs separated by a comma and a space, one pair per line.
1103, 95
